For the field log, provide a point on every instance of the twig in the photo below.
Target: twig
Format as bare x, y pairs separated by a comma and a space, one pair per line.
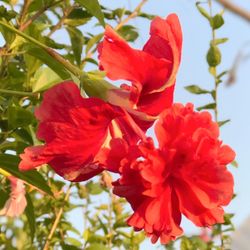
235, 9
132, 15
57, 220
215, 69
18, 93
61, 21
23, 26
70, 67
24, 10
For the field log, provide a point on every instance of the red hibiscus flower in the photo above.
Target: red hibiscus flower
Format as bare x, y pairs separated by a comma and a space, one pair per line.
186, 175
75, 131
151, 71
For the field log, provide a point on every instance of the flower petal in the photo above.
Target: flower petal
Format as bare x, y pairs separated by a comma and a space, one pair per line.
120, 61
74, 130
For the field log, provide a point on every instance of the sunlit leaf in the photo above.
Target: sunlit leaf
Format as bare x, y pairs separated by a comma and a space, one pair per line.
44, 78
195, 89
49, 61
10, 164
94, 8
207, 106
77, 41
30, 214
19, 117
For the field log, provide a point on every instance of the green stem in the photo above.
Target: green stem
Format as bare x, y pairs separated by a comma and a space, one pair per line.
73, 69
14, 92
92, 86
215, 73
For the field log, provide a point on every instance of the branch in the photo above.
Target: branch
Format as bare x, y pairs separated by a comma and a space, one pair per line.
57, 220
66, 12
235, 9
18, 93
70, 67
132, 15
23, 26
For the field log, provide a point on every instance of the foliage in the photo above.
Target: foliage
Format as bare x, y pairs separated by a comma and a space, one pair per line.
26, 70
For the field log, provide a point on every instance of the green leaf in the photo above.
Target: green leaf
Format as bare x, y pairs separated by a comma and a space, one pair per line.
77, 42
96, 238
77, 17
221, 123
195, 89
120, 223
103, 226
19, 117
49, 61
53, 44
17, 146
222, 74
128, 32
44, 78
97, 246
9, 37
90, 60
10, 164
69, 247
213, 56
94, 8
8, 15
217, 21
30, 214
36, 5
92, 41
3, 198
219, 41
73, 242
235, 164
207, 106
203, 11
94, 188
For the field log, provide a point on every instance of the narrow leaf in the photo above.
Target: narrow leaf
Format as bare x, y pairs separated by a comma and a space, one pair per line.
195, 89
77, 42
10, 164
30, 214
92, 41
44, 78
221, 123
203, 11
49, 61
128, 32
220, 41
94, 8
19, 117
208, 106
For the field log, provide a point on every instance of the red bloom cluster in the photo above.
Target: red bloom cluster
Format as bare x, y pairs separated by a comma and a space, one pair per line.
186, 174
